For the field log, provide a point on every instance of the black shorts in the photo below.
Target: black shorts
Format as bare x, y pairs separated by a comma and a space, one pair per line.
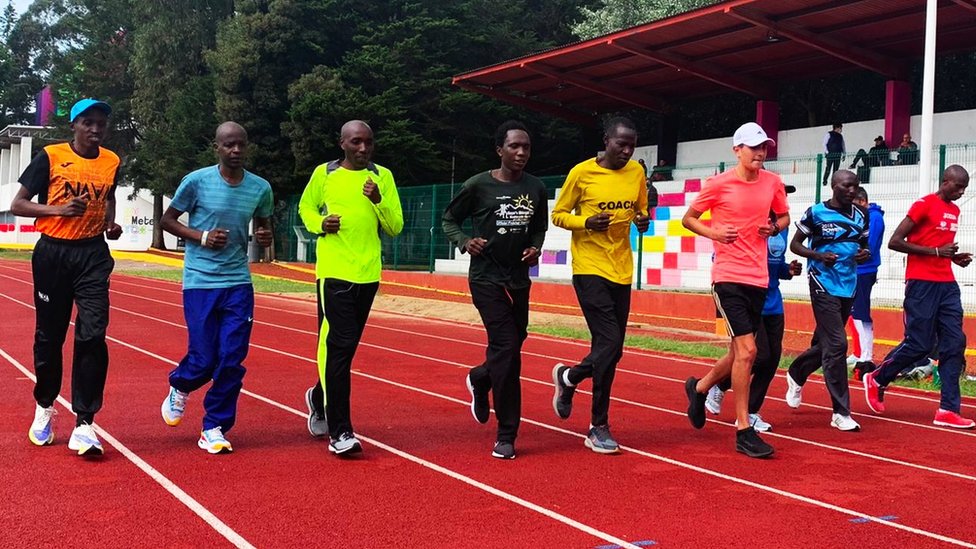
740, 305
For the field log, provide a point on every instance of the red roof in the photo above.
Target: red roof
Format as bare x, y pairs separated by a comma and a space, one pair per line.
748, 46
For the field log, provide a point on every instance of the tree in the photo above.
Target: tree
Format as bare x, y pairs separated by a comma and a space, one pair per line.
614, 15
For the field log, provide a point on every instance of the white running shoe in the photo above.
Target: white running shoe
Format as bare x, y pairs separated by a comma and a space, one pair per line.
347, 443
794, 392
84, 441
42, 429
852, 360
173, 406
713, 401
759, 424
844, 423
213, 441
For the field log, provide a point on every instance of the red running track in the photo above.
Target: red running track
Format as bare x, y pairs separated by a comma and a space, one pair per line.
426, 478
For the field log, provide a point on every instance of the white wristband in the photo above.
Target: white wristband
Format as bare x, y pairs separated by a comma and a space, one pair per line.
203, 238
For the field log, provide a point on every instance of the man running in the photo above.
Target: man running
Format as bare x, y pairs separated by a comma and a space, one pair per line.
346, 203
599, 200
933, 307
218, 297
838, 233
75, 184
509, 216
740, 200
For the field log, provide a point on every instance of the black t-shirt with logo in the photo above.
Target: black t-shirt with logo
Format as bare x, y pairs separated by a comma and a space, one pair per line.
510, 216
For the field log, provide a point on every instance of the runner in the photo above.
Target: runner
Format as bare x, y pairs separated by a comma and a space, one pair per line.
346, 203
740, 201
599, 200
75, 184
218, 298
508, 210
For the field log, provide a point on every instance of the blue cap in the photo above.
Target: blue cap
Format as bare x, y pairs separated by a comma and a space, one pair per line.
89, 103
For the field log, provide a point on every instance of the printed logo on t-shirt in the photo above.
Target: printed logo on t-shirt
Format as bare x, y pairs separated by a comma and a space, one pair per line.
949, 223
513, 213
616, 205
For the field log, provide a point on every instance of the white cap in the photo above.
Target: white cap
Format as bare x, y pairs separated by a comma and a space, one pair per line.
751, 134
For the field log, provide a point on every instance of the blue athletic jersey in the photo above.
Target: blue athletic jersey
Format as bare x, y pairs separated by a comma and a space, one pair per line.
778, 270
212, 203
840, 232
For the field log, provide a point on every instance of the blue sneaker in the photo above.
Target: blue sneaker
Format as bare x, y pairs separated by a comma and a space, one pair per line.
213, 441
173, 406
84, 441
601, 441
41, 431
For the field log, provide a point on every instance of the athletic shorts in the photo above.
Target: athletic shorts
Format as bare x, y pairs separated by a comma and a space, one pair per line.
862, 297
740, 305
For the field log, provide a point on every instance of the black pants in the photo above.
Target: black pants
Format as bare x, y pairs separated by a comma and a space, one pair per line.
832, 161
70, 273
606, 306
343, 310
769, 349
828, 348
505, 313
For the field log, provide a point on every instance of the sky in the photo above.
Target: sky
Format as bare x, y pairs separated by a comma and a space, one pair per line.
21, 5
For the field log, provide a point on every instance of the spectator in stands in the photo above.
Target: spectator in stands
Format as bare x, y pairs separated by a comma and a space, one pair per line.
75, 184
933, 306
643, 165
877, 156
769, 337
740, 201
508, 210
218, 298
834, 150
867, 276
907, 151
347, 203
662, 171
837, 231
599, 200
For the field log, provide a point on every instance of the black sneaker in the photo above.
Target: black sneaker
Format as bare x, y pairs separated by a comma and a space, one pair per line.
479, 402
562, 401
696, 404
347, 443
747, 441
863, 367
503, 450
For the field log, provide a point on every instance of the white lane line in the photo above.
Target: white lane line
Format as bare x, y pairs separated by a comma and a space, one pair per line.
540, 337
193, 505
420, 461
876, 457
716, 474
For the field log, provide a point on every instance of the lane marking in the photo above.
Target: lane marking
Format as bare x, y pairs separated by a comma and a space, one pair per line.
193, 505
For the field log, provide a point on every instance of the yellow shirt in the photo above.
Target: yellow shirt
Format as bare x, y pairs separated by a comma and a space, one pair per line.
591, 189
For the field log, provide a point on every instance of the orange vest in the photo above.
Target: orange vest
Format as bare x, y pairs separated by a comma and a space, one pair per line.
70, 176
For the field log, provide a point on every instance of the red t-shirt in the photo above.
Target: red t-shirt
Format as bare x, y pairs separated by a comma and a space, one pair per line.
936, 223
744, 205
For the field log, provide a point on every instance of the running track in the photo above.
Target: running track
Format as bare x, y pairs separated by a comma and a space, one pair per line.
426, 478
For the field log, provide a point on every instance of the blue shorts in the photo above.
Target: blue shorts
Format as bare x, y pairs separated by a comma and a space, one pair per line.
862, 296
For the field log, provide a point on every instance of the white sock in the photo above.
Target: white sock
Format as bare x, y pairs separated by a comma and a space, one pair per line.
865, 333
566, 378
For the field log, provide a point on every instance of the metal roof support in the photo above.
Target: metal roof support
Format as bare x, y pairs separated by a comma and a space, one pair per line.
619, 93
968, 4
585, 119
856, 55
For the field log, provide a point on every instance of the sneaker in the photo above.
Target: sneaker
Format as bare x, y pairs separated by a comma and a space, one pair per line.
503, 450
479, 403
874, 393
562, 401
696, 404
760, 425
713, 401
41, 430
601, 441
852, 360
794, 392
347, 443
945, 418
862, 368
749, 443
84, 441
970, 377
213, 441
173, 406
317, 424
844, 423
918, 372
